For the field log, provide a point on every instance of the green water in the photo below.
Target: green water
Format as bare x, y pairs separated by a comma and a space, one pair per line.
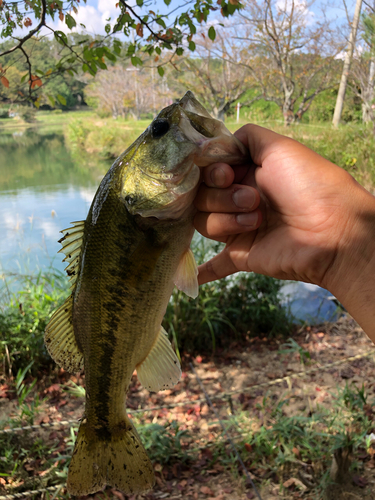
43, 188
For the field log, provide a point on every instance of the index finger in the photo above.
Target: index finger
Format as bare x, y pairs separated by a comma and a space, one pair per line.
260, 141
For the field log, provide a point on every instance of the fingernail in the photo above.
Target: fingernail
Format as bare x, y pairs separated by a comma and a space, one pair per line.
218, 177
248, 219
244, 198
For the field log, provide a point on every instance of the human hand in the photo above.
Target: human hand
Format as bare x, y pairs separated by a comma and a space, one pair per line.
316, 218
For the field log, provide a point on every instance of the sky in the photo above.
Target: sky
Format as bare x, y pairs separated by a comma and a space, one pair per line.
95, 13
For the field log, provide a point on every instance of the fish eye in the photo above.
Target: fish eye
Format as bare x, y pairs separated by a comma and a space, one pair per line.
159, 128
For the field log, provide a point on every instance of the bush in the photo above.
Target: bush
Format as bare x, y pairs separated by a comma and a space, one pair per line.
24, 318
4, 113
28, 114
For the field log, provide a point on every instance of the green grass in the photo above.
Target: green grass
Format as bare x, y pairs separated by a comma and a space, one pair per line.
24, 316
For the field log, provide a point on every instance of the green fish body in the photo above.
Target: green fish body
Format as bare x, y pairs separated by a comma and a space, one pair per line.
124, 261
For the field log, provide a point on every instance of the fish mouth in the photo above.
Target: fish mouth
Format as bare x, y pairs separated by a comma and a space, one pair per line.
214, 141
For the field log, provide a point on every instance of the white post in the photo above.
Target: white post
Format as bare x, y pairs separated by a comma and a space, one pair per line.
238, 105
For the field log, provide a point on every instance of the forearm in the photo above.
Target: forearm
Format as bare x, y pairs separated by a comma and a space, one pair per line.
351, 278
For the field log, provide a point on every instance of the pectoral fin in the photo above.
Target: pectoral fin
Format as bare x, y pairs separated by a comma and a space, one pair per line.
161, 368
60, 340
186, 276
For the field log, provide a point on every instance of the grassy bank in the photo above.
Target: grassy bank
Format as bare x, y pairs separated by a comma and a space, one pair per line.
352, 146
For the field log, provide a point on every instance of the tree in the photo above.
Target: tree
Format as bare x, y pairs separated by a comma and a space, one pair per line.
362, 74
291, 55
347, 61
218, 76
152, 33
122, 91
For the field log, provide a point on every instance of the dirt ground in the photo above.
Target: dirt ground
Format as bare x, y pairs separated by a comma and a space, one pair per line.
247, 371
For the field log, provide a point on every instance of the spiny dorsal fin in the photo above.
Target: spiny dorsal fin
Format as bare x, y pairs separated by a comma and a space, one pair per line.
60, 340
186, 275
161, 368
72, 246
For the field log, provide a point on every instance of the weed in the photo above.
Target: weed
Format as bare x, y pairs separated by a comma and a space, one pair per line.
23, 318
292, 347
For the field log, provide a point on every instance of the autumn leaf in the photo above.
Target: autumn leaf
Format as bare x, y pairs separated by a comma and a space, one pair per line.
5, 82
61, 16
27, 22
35, 81
139, 30
156, 58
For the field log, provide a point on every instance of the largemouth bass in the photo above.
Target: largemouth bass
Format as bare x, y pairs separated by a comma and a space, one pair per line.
124, 261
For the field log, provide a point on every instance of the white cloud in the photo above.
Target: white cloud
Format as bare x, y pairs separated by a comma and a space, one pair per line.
94, 18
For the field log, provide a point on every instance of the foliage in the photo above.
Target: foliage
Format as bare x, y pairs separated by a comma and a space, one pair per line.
151, 32
23, 318
282, 442
163, 443
290, 57
352, 147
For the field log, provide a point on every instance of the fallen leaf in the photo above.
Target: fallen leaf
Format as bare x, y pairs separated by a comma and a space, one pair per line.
360, 481
206, 490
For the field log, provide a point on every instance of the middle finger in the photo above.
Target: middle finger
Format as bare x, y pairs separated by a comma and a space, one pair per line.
236, 198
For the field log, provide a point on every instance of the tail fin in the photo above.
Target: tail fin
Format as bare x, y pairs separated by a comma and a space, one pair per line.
119, 460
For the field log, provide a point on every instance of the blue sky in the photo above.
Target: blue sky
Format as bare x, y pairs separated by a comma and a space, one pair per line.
94, 13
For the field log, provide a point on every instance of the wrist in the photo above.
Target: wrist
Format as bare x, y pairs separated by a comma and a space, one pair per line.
351, 276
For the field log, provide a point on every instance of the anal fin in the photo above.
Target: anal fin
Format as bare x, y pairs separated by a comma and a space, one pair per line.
161, 368
60, 340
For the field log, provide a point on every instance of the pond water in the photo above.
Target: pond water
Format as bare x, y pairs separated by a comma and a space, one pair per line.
42, 190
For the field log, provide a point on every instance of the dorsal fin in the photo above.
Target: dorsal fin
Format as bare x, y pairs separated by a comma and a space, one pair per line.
72, 246
59, 335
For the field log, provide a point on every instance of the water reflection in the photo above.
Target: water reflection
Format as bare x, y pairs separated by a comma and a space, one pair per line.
41, 191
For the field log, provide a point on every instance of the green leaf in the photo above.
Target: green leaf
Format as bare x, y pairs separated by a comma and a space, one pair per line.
110, 56
160, 70
52, 101
61, 99
24, 77
158, 50
85, 68
161, 23
87, 54
192, 46
167, 2
70, 72
107, 28
101, 64
38, 72
136, 61
211, 33
70, 21
139, 3
179, 51
61, 38
131, 50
